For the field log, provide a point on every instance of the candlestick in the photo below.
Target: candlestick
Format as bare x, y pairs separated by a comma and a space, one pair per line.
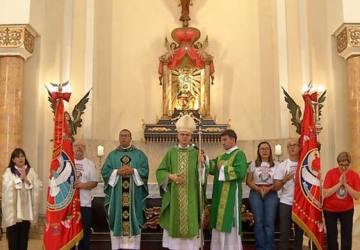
100, 150
278, 150
100, 154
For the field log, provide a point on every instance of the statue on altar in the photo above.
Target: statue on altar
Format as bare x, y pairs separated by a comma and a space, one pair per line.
187, 95
186, 72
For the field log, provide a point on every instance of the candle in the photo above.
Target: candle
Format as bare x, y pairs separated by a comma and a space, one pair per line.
278, 149
100, 150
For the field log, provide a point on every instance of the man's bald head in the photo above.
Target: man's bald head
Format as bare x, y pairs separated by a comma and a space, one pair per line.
79, 147
293, 148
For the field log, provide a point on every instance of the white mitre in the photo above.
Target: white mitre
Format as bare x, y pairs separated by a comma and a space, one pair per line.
185, 124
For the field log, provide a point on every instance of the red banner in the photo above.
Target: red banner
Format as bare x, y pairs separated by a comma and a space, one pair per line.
63, 225
307, 206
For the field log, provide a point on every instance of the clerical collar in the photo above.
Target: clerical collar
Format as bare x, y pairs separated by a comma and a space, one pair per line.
230, 150
129, 148
187, 146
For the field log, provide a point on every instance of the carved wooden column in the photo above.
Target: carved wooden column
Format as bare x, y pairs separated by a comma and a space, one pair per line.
16, 45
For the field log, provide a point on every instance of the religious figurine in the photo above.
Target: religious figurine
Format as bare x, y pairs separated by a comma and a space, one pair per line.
187, 91
185, 11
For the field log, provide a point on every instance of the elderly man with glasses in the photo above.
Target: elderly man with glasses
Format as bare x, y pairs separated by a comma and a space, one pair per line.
284, 181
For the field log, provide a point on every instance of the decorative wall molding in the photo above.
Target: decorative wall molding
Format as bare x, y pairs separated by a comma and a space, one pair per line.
17, 40
348, 40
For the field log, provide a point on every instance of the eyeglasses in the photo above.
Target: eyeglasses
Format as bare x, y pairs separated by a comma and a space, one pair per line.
264, 149
344, 163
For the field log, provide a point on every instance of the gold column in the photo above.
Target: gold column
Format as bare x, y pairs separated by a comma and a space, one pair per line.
353, 74
11, 80
16, 45
348, 46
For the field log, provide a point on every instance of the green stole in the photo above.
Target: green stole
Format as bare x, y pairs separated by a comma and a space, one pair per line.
224, 192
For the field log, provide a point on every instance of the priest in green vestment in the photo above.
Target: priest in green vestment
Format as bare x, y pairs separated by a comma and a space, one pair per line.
178, 178
125, 173
229, 170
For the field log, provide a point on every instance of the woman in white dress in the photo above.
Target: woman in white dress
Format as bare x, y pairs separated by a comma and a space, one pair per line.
21, 191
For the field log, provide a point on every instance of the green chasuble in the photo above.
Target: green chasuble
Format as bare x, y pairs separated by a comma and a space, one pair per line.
180, 203
125, 202
224, 192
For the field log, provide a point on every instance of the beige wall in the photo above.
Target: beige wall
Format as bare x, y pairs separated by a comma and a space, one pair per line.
328, 68
14, 11
43, 67
128, 39
324, 67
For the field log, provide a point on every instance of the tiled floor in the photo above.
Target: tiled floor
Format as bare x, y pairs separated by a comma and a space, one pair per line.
33, 244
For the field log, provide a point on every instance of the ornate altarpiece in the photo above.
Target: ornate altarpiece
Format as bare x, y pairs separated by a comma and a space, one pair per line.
186, 72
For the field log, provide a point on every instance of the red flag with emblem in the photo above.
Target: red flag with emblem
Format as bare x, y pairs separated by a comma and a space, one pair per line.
307, 206
63, 225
